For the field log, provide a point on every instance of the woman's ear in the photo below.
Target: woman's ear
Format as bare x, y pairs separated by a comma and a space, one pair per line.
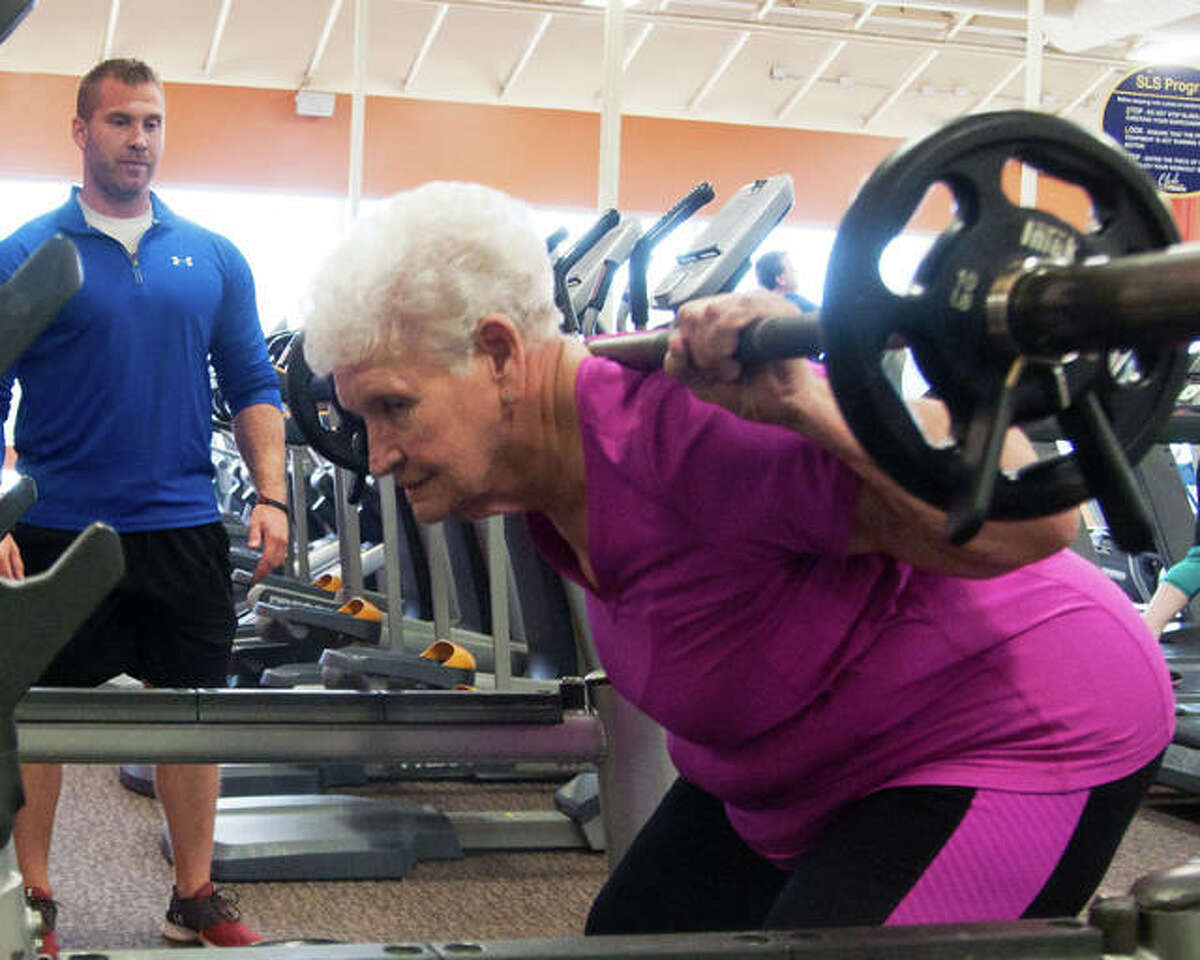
499, 343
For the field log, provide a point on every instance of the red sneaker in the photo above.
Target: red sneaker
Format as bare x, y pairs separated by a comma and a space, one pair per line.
47, 940
211, 916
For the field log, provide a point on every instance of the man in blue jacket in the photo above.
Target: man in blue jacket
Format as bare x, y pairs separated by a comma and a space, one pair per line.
114, 425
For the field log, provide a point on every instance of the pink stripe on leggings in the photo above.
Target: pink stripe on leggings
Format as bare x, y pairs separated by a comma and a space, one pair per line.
997, 861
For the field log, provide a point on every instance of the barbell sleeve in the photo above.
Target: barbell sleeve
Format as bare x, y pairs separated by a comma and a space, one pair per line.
1144, 299
769, 338
639, 351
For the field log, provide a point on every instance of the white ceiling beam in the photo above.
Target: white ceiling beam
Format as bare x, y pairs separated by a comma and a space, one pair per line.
1090, 89
218, 32
730, 55
110, 29
1093, 23
909, 78
358, 111
824, 64
886, 18
739, 42
438, 17
314, 62
1035, 47
671, 18
960, 23
518, 67
608, 162
1008, 77
640, 39
810, 81
863, 16
993, 8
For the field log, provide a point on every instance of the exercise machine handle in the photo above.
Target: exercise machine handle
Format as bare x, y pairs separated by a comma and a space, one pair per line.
639, 258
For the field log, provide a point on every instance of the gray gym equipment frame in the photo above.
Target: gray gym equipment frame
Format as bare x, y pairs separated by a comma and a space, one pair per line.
1161, 918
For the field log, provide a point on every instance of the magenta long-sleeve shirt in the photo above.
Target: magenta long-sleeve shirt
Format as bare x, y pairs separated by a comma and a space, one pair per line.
792, 678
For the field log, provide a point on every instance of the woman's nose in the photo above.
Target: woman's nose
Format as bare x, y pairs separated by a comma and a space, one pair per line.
383, 456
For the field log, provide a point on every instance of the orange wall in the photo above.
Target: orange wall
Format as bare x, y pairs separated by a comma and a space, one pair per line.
234, 136
35, 114
1187, 215
662, 159
249, 137
546, 157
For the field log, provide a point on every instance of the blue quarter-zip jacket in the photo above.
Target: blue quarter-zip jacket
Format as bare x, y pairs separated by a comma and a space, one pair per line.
115, 421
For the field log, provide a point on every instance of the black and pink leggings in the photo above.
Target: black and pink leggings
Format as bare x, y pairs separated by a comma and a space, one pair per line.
905, 855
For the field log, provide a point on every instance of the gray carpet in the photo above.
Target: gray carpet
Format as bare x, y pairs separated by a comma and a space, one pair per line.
113, 884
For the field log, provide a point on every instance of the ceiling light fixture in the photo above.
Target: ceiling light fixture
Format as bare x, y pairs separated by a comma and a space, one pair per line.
314, 103
1177, 50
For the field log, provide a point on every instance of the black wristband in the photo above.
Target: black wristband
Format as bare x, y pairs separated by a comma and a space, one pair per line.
277, 504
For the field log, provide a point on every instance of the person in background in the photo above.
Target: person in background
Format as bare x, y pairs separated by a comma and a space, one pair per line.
870, 724
114, 425
1177, 585
775, 273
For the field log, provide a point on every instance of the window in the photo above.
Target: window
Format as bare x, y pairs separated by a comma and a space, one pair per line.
285, 237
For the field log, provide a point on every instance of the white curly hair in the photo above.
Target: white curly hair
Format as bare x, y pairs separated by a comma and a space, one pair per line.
413, 279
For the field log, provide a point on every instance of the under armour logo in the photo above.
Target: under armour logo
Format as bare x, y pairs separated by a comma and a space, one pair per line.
182, 262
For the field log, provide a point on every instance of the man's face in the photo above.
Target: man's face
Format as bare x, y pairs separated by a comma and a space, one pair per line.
122, 141
787, 278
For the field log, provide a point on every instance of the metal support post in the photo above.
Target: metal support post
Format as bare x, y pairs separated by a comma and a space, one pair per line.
498, 590
349, 539
393, 586
635, 771
298, 561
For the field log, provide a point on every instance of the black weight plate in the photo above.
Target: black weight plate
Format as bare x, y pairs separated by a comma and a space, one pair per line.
278, 345
344, 443
943, 318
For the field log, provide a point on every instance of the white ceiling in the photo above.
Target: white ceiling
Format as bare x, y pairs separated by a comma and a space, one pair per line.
896, 69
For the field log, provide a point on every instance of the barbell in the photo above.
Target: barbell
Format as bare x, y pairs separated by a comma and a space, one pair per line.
1013, 316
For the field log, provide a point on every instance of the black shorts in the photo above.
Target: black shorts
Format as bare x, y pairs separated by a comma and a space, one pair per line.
169, 621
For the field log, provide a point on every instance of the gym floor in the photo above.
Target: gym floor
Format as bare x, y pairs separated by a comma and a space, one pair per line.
113, 884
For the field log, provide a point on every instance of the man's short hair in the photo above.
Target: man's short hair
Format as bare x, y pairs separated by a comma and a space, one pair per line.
126, 70
769, 267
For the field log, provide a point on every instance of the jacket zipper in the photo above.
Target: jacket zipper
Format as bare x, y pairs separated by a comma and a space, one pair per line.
134, 262
133, 257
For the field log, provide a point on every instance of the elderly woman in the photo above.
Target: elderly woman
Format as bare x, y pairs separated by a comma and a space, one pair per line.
870, 725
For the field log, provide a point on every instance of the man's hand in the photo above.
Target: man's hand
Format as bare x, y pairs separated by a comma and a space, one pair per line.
11, 565
258, 432
268, 533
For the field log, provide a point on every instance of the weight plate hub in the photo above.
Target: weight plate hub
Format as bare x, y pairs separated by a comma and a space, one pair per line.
943, 317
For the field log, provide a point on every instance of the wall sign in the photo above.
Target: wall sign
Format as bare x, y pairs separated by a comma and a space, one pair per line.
1154, 113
